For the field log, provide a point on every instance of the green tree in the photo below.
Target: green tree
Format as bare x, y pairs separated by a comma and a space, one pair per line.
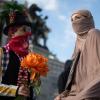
6, 8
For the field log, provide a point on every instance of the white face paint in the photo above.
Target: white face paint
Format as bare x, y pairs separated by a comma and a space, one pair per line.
22, 30
26, 28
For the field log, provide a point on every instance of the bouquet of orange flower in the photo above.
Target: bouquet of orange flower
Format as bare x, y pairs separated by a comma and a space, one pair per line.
36, 65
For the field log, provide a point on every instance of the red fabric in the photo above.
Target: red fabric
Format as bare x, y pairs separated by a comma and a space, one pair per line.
20, 44
22, 77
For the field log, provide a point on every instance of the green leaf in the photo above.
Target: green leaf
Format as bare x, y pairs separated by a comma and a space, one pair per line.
20, 98
37, 90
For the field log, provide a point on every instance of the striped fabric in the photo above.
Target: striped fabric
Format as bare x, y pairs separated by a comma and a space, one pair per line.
8, 90
5, 90
5, 59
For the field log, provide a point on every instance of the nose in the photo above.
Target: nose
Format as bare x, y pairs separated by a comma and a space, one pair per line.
25, 45
26, 28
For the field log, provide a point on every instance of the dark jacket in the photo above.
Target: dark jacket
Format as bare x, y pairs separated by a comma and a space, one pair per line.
62, 79
11, 75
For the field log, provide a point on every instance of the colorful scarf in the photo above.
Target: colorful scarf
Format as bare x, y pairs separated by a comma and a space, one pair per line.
16, 45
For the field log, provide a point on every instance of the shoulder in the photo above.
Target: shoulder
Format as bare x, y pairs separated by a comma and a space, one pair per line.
94, 32
1, 51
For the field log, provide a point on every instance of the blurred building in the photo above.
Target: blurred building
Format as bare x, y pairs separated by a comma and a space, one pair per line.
49, 84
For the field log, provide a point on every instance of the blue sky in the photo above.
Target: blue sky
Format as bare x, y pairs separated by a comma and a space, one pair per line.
61, 39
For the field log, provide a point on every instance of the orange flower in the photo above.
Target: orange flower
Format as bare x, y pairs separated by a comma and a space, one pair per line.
33, 74
36, 63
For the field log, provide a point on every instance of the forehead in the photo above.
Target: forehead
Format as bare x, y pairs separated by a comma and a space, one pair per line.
82, 13
19, 26
77, 16
26, 26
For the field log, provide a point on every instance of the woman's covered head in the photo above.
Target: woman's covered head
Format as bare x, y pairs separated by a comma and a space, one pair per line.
82, 21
